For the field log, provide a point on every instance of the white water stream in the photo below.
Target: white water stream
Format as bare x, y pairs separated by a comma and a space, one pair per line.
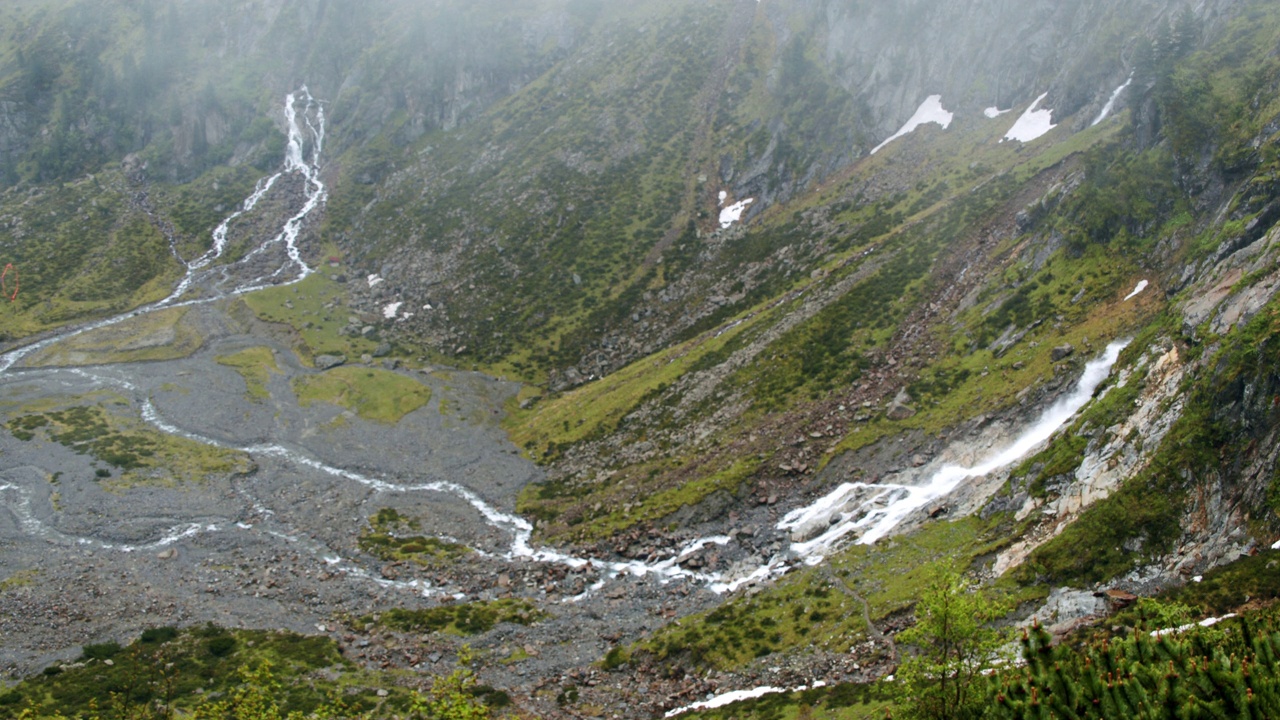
873, 517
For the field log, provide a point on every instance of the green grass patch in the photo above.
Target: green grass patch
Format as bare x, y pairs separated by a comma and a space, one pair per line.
388, 538
372, 393
315, 309
140, 454
160, 335
255, 365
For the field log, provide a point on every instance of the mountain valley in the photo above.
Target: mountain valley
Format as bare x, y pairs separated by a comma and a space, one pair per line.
630, 355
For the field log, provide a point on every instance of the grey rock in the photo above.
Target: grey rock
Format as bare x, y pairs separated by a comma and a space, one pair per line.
1062, 352
383, 350
900, 408
324, 362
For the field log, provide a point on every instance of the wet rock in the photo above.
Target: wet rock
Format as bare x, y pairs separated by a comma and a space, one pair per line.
324, 362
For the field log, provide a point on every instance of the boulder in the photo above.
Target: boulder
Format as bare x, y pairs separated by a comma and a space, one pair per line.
383, 350
324, 362
1062, 352
900, 408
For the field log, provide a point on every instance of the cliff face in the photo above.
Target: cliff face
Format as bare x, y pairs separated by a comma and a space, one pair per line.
87, 83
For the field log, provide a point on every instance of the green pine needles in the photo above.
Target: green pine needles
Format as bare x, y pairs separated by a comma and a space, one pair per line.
1200, 674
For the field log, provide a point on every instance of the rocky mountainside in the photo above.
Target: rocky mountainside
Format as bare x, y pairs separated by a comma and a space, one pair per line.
781, 281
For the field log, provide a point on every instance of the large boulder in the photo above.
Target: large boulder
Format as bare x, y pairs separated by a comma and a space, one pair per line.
324, 362
1062, 352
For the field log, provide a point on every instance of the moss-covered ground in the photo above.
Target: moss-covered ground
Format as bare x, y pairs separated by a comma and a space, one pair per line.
390, 536
315, 308
160, 335
255, 365
372, 393
181, 670
129, 451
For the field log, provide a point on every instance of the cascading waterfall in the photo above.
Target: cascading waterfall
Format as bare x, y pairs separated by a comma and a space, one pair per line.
873, 517
199, 271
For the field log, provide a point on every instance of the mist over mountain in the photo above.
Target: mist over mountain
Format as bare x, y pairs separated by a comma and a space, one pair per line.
655, 350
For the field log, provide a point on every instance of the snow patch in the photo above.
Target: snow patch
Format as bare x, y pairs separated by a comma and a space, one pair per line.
1032, 124
374, 280
1207, 622
1142, 285
1111, 103
723, 195
994, 112
930, 111
733, 213
738, 695
389, 312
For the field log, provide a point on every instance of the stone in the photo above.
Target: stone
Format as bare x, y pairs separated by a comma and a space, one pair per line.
324, 362
1062, 352
900, 408
383, 350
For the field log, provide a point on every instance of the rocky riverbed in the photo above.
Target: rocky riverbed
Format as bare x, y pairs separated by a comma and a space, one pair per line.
91, 553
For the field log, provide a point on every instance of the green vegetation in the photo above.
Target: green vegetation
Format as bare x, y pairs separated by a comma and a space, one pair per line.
255, 365
315, 309
143, 454
955, 647
1225, 671
388, 539
472, 618
160, 335
209, 672
372, 393
822, 607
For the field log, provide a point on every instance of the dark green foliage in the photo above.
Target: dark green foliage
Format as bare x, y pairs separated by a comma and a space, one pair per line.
1200, 674
177, 668
158, 635
101, 651
465, 619
85, 429
220, 646
1125, 195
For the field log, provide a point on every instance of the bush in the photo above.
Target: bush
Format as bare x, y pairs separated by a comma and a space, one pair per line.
221, 646
159, 635
101, 651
